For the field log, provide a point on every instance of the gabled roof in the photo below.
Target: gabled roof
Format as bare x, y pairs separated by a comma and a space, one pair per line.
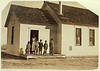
30, 15
75, 15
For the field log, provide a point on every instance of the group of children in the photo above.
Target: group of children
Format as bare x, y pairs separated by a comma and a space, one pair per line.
36, 47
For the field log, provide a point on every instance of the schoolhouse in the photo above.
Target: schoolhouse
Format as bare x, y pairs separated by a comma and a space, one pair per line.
75, 31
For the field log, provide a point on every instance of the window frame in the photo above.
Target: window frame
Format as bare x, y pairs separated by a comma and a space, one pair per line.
78, 35
12, 35
92, 37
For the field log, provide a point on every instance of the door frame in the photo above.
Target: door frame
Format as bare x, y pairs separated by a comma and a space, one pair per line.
32, 36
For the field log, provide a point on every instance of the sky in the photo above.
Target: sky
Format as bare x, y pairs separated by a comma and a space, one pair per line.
33, 4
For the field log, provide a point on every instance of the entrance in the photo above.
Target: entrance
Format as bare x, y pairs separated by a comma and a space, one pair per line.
32, 34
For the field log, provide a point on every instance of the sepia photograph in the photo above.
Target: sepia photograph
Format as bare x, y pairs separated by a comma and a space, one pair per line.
49, 35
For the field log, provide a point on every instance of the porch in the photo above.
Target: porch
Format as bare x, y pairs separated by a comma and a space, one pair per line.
47, 56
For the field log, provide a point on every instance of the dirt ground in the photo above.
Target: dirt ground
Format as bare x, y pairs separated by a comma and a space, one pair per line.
69, 63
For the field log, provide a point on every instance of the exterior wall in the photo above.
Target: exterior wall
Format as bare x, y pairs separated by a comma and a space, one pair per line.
53, 35
69, 39
13, 49
45, 33
59, 26
59, 38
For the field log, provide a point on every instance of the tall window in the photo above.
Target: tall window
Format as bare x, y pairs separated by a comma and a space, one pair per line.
91, 37
78, 36
12, 35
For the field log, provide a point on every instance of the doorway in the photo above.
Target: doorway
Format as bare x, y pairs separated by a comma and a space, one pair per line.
32, 34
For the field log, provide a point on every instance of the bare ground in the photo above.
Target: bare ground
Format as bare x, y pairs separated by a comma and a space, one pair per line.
69, 63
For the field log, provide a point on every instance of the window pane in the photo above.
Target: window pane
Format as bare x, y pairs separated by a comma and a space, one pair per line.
78, 36
92, 37
12, 36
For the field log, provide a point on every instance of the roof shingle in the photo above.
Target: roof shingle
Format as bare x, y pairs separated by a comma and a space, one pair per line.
31, 15
75, 15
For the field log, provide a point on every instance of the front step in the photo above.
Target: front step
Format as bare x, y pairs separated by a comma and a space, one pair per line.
31, 56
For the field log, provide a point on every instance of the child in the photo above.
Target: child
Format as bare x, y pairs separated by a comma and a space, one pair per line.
45, 47
28, 48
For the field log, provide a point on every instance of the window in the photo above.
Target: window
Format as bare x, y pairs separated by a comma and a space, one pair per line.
78, 36
12, 35
91, 37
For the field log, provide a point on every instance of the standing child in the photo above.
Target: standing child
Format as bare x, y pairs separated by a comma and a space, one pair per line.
28, 48
40, 47
45, 47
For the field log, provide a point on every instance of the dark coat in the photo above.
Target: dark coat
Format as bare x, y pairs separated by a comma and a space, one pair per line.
40, 46
51, 47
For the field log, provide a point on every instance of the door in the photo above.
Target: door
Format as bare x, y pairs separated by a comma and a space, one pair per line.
32, 34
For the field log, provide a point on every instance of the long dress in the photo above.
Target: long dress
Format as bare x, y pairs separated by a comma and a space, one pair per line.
51, 47
33, 46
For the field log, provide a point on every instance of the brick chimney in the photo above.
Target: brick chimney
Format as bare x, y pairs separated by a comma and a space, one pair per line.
60, 7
